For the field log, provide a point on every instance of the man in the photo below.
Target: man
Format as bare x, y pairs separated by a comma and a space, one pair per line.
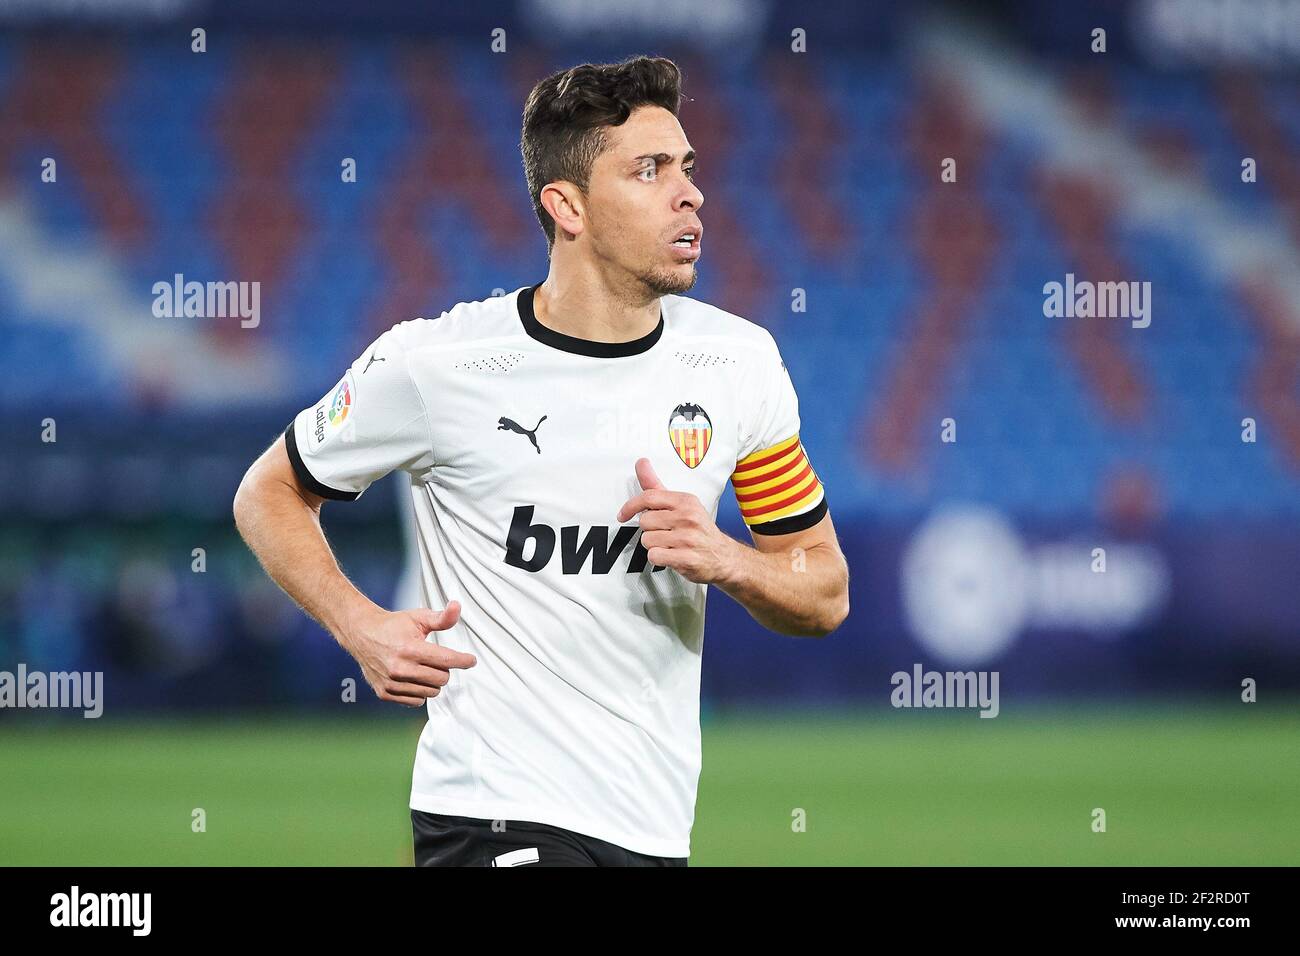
567, 446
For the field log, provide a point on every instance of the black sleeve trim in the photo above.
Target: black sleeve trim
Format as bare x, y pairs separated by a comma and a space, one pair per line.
792, 523
307, 479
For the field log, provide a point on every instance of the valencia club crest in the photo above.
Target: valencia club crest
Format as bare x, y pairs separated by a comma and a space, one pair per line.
690, 431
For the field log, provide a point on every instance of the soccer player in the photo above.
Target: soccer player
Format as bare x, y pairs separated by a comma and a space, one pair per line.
567, 446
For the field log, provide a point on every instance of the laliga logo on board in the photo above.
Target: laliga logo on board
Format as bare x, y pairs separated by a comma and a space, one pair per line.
690, 430
971, 584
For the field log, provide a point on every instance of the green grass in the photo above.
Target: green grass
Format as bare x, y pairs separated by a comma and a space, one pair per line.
1190, 786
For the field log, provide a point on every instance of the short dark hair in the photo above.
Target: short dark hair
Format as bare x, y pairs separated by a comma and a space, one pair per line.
565, 116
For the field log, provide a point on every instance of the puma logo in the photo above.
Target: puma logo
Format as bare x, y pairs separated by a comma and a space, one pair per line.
509, 424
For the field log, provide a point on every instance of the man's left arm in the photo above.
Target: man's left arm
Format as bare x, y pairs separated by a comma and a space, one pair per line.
794, 580
795, 583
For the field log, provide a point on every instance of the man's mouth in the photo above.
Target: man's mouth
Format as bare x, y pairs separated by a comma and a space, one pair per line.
687, 241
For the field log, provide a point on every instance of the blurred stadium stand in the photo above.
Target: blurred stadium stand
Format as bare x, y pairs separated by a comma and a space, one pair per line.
924, 302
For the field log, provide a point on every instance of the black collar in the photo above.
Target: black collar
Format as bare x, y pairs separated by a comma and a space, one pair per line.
571, 343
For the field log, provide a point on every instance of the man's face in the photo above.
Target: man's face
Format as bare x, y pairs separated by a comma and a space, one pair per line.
640, 200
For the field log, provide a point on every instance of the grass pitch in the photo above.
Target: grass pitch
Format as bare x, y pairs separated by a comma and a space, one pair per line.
1185, 785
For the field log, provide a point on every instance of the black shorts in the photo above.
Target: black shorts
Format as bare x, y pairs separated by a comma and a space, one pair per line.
442, 840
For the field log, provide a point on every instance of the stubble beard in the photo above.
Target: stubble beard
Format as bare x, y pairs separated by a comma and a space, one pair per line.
669, 281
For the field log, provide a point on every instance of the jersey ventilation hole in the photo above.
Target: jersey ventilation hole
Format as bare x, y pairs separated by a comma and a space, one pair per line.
492, 364
703, 359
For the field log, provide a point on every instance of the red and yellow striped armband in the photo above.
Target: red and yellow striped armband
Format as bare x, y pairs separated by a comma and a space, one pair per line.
777, 489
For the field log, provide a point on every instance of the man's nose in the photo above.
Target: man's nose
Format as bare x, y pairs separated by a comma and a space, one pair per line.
692, 198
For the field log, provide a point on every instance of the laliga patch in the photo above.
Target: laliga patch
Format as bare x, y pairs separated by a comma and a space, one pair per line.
332, 411
691, 432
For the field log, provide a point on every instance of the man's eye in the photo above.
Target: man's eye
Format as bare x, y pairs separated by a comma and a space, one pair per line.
646, 169
690, 173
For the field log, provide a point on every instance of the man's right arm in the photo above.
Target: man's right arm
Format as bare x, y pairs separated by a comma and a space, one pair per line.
279, 519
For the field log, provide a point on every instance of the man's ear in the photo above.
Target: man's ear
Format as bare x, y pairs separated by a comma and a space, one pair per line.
566, 204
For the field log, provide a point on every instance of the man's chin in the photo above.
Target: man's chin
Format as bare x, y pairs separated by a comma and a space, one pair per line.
671, 281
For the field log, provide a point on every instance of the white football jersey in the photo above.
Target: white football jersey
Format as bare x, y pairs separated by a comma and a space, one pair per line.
520, 443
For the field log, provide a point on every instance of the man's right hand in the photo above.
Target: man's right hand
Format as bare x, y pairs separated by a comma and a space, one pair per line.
398, 664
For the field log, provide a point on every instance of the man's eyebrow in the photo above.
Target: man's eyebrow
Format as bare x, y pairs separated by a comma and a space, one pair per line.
662, 158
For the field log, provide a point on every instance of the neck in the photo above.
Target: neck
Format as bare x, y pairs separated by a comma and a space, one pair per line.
586, 304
